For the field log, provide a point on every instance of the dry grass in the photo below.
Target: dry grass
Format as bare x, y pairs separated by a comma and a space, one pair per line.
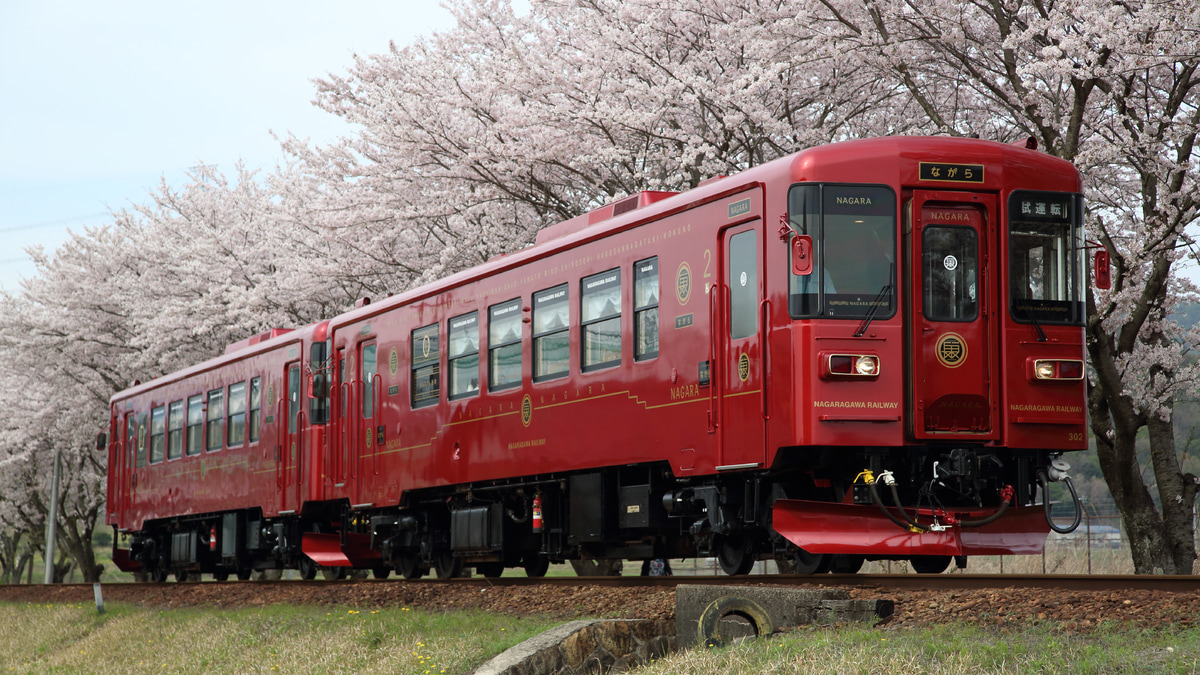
73, 638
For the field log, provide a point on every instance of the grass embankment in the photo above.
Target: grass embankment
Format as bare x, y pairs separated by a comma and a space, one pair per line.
948, 650
278, 639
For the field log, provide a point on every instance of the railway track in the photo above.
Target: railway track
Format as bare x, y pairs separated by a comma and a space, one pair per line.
911, 582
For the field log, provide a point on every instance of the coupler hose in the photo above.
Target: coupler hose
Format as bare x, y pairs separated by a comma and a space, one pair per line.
907, 523
1007, 494
1041, 476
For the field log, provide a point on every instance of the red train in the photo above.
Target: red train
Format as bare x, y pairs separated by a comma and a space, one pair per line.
732, 371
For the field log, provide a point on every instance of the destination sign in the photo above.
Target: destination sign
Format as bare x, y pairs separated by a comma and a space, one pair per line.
952, 173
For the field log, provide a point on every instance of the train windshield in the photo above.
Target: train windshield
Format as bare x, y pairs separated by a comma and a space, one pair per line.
1046, 257
853, 228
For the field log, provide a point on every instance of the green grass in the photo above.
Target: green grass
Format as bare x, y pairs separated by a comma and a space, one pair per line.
38, 638
946, 650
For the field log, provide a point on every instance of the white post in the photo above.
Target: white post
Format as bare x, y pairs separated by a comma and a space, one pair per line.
52, 519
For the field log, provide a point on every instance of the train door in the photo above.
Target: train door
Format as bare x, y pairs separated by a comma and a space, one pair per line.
290, 454
340, 444
366, 419
954, 383
126, 439
739, 356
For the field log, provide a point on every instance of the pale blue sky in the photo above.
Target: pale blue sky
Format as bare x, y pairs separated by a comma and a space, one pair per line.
98, 100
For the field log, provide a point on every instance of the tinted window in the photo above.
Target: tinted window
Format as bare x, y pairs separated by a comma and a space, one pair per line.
463, 355
504, 345
426, 359
600, 317
551, 339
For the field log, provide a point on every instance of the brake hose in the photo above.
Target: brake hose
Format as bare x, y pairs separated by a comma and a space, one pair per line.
1046, 503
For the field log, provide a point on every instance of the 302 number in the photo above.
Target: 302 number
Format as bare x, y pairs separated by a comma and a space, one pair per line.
1074, 437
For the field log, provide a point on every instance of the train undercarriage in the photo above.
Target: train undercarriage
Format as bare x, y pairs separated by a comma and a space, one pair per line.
812, 512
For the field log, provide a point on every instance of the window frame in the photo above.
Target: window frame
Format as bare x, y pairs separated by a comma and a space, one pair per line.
544, 300
499, 348
593, 285
198, 402
465, 322
231, 416
176, 433
214, 424
254, 410
640, 310
158, 434
427, 364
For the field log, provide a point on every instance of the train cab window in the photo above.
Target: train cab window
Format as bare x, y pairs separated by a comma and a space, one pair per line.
645, 309
463, 356
551, 334
158, 434
426, 360
949, 268
195, 425
255, 408
175, 431
504, 345
235, 427
600, 319
853, 228
367, 369
216, 420
743, 284
1046, 257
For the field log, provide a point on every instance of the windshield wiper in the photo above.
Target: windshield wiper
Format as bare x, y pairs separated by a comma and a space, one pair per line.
883, 293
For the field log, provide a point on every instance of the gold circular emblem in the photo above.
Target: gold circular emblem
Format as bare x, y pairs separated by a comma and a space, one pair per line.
526, 410
951, 350
425, 346
683, 283
393, 362
744, 367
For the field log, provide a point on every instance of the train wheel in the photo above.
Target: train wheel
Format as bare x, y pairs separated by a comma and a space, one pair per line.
307, 568
221, 575
536, 565
598, 568
447, 565
811, 563
847, 564
158, 574
408, 567
381, 572
735, 554
182, 576
930, 564
334, 573
491, 570
243, 573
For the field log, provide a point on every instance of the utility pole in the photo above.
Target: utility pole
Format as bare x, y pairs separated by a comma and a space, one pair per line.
52, 521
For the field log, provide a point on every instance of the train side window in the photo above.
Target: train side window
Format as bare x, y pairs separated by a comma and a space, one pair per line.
236, 421
367, 368
645, 309
175, 431
141, 440
463, 356
158, 433
426, 358
195, 425
293, 401
743, 284
255, 407
600, 319
551, 334
131, 442
320, 371
216, 419
504, 345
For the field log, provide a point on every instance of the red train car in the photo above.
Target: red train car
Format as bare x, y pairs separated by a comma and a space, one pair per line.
730, 371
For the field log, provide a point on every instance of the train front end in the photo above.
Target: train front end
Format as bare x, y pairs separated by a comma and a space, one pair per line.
936, 292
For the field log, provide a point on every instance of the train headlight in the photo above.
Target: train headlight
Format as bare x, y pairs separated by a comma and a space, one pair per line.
850, 365
1057, 370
